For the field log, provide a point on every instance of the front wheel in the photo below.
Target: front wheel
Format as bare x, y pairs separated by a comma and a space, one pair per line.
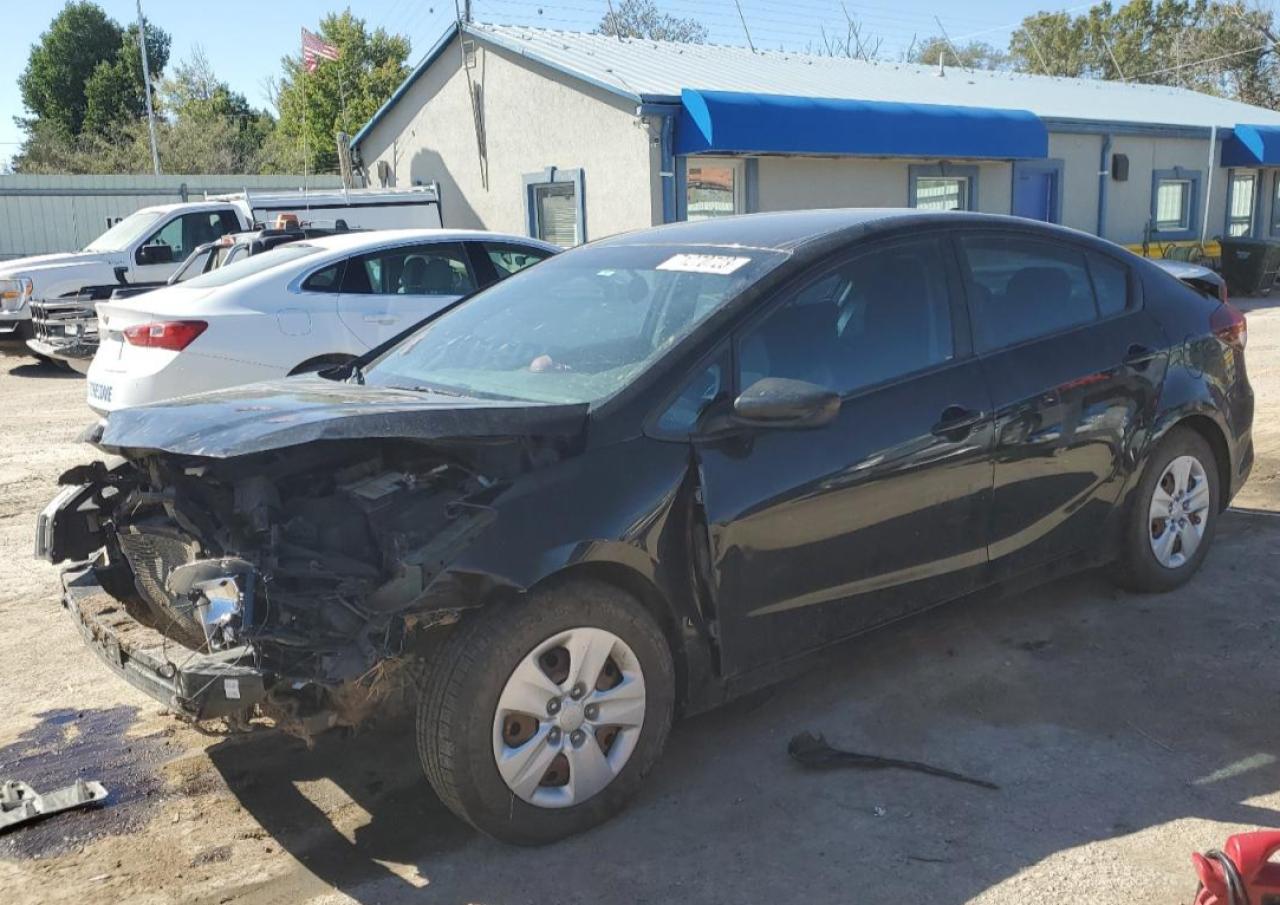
1174, 516
540, 719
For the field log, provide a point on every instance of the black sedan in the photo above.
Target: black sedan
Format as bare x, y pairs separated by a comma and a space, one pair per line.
636, 479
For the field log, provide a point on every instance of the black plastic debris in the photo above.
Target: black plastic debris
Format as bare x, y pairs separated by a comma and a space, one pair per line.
813, 752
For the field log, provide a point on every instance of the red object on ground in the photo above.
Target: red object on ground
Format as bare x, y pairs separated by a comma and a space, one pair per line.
1251, 854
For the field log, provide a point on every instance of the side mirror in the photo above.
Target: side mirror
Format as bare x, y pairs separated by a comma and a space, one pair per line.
780, 402
155, 254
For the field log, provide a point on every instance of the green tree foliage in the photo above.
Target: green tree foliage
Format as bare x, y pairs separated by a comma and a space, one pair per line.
970, 55
371, 65
115, 92
80, 38
1221, 48
642, 19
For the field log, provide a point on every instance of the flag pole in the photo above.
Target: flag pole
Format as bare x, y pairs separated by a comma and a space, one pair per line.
302, 75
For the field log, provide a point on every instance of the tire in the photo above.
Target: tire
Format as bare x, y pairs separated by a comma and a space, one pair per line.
1140, 567
461, 730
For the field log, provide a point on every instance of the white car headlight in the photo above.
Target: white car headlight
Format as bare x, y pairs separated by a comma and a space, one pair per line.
14, 293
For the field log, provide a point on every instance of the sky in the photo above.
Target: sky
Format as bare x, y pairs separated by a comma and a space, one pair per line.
245, 40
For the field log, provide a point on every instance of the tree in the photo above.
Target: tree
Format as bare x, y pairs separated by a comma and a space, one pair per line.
1216, 47
973, 55
208, 127
80, 38
641, 19
370, 66
115, 91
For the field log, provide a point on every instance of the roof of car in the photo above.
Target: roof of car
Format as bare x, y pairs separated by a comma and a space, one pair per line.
361, 239
791, 230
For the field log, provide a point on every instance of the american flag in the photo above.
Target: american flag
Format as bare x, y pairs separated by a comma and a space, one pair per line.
314, 50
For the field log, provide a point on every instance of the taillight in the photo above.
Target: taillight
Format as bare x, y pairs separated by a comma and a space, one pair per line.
172, 335
1229, 325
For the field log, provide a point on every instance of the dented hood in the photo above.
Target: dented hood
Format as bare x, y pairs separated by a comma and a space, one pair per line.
265, 416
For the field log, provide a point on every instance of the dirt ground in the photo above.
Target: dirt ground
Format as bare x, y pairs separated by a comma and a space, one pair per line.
1124, 732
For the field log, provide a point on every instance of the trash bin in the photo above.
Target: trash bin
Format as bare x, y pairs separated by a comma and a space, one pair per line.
1250, 266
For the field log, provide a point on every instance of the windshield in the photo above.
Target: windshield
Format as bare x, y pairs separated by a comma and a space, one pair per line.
238, 270
123, 234
575, 328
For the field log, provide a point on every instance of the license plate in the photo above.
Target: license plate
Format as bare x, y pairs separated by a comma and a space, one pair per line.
100, 392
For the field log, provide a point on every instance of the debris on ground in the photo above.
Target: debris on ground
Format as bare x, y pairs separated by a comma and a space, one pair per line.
19, 803
813, 752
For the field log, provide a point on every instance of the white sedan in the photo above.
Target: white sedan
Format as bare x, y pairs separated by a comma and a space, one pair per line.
302, 307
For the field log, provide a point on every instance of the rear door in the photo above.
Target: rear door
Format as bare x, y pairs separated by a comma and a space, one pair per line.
384, 292
1073, 365
817, 534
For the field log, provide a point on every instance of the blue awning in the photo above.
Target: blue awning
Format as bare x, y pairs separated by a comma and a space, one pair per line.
1252, 146
728, 122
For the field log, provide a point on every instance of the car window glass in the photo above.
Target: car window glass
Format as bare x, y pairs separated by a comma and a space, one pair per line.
1020, 288
438, 268
882, 315
184, 233
195, 265
326, 279
683, 412
1110, 283
509, 259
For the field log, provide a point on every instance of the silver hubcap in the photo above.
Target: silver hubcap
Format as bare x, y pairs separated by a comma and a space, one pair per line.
569, 717
1179, 512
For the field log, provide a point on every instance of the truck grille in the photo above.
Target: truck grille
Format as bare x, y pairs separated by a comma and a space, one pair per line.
69, 325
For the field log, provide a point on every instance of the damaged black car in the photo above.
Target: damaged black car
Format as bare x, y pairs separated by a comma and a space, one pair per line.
648, 475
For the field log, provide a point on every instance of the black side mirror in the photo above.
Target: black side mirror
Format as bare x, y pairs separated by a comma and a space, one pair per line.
155, 254
780, 402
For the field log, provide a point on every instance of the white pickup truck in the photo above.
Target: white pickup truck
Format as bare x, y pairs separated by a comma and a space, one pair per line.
147, 246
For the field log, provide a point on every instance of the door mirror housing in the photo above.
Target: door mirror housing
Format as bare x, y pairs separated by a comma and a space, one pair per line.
155, 254
781, 402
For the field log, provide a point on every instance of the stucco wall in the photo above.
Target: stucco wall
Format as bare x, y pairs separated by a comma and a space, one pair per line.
534, 118
791, 183
1129, 202
1080, 155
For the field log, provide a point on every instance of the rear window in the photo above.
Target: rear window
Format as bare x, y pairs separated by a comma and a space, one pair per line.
238, 270
1021, 288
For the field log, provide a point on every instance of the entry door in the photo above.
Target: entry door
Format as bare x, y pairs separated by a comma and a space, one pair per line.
1073, 365
817, 534
387, 291
1035, 191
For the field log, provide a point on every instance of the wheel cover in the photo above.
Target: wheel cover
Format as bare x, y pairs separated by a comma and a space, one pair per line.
569, 717
1179, 512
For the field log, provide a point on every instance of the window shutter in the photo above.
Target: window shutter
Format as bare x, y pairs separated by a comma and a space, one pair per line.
557, 214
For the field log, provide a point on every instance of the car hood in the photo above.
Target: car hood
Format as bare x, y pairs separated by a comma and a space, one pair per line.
39, 264
297, 410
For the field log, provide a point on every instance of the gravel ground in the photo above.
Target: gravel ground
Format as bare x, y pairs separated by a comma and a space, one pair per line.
1124, 731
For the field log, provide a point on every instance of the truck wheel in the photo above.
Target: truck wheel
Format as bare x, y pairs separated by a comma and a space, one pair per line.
539, 719
1174, 515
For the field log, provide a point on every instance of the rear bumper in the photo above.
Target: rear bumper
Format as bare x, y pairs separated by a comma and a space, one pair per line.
194, 685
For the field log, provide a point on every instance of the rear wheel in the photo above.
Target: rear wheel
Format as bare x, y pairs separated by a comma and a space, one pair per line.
1174, 516
539, 720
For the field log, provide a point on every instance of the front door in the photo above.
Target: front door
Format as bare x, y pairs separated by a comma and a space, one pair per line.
182, 235
1073, 365
817, 534
389, 290
1035, 191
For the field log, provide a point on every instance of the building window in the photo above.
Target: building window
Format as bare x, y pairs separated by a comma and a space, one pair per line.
554, 207
713, 188
943, 187
1175, 195
1242, 195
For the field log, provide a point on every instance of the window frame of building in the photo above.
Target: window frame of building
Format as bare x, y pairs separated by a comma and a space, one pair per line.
968, 173
549, 177
1193, 180
739, 167
1275, 204
1230, 218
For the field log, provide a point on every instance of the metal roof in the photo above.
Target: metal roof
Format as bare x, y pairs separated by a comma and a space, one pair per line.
657, 71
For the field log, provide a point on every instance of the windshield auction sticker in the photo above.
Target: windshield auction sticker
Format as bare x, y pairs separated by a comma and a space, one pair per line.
718, 264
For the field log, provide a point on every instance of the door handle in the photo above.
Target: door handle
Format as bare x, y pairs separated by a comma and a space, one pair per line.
956, 422
1139, 356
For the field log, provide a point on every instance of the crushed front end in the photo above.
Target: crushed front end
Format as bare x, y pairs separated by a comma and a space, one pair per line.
302, 584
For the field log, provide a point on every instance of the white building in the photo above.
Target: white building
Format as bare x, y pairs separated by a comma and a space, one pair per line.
571, 137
